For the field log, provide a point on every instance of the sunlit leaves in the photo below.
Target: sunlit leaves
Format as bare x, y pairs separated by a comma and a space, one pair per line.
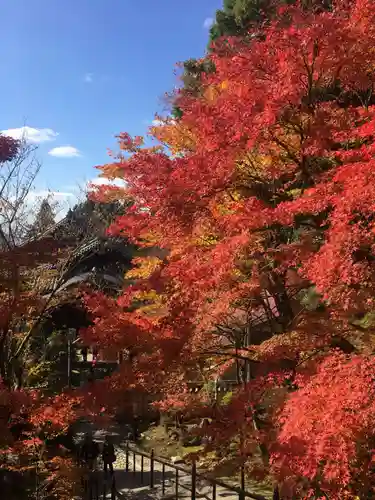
144, 267
274, 175
175, 135
327, 427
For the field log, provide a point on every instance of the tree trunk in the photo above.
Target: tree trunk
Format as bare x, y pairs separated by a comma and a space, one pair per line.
276, 494
282, 300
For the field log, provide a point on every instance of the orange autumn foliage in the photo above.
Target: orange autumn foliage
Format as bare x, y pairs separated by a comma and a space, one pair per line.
280, 180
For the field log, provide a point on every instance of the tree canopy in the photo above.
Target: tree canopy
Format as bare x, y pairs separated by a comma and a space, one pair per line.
44, 219
265, 207
241, 17
253, 219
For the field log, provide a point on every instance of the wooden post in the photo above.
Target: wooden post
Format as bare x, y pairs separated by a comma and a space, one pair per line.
152, 469
176, 484
127, 456
97, 486
113, 489
163, 479
241, 496
276, 494
69, 361
213, 491
142, 460
104, 490
193, 480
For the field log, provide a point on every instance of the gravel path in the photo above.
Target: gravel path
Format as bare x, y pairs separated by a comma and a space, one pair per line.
135, 485
135, 482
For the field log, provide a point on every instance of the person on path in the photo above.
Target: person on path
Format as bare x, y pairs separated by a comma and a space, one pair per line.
135, 427
89, 451
108, 455
84, 352
95, 355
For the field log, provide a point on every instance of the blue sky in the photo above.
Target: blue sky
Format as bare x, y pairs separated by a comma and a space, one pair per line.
86, 70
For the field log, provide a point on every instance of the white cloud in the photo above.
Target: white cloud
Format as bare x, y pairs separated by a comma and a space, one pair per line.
44, 193
158, 123
64, 152
102, 181
89, 77
208, 22
31, 135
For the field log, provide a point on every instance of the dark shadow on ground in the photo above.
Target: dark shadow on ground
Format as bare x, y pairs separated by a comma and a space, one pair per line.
133, 480
119, 433
13, 485
139, 495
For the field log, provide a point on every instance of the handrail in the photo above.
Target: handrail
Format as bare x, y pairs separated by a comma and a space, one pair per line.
93, 488
242, 493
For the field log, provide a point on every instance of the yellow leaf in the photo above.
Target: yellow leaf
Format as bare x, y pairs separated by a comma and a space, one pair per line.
145, 267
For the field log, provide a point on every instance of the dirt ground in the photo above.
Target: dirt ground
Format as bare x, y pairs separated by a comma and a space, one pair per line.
156, 438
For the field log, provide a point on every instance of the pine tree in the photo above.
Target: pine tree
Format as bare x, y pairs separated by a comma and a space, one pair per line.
44, 219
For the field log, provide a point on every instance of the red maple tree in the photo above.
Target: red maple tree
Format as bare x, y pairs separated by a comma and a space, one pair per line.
327, 428
271, 176
29, 418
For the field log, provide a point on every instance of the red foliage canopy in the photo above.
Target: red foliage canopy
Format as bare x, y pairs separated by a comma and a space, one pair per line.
327, 427
276, 174
8, 148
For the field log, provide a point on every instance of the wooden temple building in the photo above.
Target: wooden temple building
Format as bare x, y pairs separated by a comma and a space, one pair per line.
102, 262
96, 260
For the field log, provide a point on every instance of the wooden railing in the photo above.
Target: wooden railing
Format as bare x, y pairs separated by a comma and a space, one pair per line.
94, 488
178, 472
